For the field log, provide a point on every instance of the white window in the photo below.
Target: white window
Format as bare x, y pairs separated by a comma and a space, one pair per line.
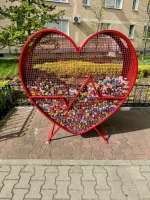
131, 32
85, 2
63, 26
63, 1
105, 26
135, 5
117, 4
146, 32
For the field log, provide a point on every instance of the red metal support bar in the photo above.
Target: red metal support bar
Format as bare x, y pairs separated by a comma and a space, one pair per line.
51, 132
101, 133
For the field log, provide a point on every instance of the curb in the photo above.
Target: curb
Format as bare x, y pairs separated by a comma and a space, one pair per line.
76, 162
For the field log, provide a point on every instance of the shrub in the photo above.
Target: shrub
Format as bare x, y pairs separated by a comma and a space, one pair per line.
5, 98
143, 71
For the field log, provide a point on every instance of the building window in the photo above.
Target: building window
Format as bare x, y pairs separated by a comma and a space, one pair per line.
146, 32
63, 1
148, 7
131, 32
85, 2
117, 4
105, 26
135, 5
63, 26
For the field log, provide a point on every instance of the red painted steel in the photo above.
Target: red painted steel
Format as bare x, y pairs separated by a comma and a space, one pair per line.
78, 88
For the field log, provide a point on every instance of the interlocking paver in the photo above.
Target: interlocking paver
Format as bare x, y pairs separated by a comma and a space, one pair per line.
47, 194
50, 181
51, 169
145, 169
88, 173
104, 194
76, 194
144, 191
135, 173
89, 190
63, 173
62, 190
35, 189
31, 144
24, 180
125, 177
6, 191
112, 173
131, 194
28, 168
4, 168
75, 180
14, 173
101, 182
19, 194
2, 176
116, 188
39, 173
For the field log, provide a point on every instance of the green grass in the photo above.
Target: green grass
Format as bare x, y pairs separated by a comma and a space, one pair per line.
8, 68
146, 60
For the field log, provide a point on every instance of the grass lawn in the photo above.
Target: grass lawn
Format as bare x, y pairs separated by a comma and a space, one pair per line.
8, 68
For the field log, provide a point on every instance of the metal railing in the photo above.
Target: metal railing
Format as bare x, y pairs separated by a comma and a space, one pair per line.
140, 96
5, 99
14, 95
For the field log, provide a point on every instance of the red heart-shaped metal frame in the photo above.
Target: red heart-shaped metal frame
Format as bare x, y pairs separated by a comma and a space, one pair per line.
52, 42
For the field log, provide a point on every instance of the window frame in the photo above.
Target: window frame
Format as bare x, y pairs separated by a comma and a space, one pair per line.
135, 5
67, 32
88, 3
143, 37
115, 4
131, 35
103, 29
105, 24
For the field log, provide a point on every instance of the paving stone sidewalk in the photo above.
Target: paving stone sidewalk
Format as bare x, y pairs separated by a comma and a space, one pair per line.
75, 167
23, 136
74, 180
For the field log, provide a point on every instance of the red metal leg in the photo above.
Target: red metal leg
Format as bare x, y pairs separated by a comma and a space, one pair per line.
102, 133
51, 132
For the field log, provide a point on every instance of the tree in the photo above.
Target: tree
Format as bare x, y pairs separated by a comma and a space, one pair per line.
145, 35
98, 12
27, 17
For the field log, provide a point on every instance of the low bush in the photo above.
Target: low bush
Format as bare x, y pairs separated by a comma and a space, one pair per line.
5, 98
143, 71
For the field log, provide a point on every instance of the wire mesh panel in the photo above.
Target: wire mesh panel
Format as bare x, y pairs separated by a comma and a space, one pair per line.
78, 88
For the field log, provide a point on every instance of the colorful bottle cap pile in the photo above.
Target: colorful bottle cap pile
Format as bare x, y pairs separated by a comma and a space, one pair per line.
81, 115
87, 109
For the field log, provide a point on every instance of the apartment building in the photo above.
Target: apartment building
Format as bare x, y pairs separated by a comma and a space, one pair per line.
130, 17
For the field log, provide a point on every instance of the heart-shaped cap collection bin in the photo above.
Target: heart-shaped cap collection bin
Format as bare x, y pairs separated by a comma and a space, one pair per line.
78, 88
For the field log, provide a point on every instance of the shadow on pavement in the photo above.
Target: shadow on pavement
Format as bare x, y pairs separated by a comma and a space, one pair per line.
14, 123
123, 121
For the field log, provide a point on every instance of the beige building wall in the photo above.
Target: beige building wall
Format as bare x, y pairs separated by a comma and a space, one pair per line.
119, 19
